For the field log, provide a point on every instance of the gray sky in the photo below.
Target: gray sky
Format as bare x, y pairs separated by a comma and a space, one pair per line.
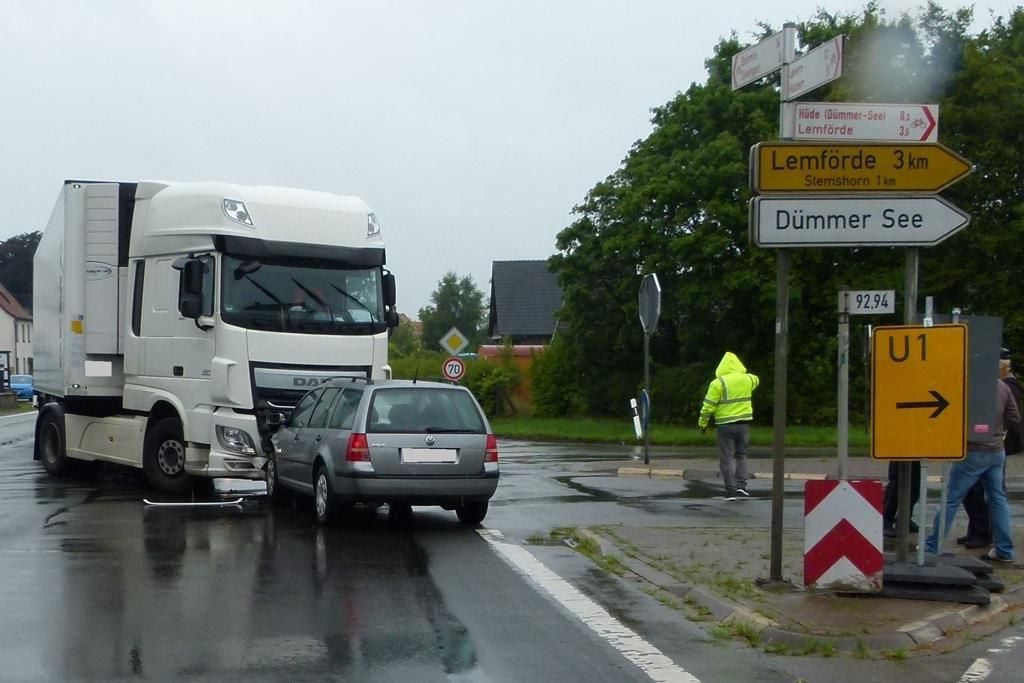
471, 128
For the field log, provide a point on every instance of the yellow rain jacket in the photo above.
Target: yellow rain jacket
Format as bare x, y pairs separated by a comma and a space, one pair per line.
729, 394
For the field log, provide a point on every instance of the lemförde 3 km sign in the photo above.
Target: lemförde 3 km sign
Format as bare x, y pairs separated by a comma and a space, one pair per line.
851, 167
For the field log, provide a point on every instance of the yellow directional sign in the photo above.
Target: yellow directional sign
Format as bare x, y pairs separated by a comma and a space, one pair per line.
919, 392
852, 167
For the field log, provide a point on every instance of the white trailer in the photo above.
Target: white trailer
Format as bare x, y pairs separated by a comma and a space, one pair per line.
175, 322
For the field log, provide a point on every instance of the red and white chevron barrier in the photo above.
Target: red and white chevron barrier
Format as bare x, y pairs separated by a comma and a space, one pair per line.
843, 535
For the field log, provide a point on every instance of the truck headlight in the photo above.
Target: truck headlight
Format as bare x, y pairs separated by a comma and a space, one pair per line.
235, 440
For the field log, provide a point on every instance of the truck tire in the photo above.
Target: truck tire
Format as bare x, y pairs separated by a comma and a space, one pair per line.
51, 442
163, 458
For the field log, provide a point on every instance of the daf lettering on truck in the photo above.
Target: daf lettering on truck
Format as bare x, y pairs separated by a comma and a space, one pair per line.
177, 321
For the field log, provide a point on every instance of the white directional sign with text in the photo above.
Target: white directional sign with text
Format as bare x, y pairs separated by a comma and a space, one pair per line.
860, 121
864, 221
758, 60
821, 65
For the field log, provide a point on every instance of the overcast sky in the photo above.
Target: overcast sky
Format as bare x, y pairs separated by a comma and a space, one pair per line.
471, 128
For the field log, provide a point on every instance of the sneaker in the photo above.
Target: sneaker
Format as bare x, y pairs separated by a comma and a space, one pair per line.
728, 497
975, 543
993, 556
960, 540
742, 492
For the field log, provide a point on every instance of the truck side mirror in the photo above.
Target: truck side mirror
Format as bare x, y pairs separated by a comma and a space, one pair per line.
391, 318
389, 290
192, 276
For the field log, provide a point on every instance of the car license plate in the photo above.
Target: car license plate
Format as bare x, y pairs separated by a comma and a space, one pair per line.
429, 455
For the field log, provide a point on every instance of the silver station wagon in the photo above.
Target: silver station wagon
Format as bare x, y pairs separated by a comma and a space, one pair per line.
398, 442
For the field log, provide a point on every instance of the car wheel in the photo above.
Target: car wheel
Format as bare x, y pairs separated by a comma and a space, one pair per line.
163, 459
399, 513
472, 512
324, 503
275, 494
51, 443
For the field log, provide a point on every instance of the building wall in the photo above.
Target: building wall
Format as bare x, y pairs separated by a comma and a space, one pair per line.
7, 337
23, 346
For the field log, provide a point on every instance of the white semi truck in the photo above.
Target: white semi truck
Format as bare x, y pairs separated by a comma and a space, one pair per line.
176, 322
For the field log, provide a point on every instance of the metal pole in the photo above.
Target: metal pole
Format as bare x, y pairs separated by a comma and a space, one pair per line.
905, 469
781, 339
944, 496
779, 415
647, 389
843, 426
922, 505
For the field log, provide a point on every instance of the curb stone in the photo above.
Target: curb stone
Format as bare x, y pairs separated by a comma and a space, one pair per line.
692, 474
907, 637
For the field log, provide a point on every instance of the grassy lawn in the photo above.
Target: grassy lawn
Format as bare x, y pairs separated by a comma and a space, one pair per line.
621, 431
22, 407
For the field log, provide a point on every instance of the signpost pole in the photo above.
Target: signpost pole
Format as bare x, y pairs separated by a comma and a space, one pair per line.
647, 390
905, 469
781, 341
843, 426
922, 504
945, 472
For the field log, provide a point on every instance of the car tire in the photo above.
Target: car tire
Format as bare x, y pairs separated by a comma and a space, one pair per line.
52, 444
325, 504
472, 512
163, 458
399, 513
275, 494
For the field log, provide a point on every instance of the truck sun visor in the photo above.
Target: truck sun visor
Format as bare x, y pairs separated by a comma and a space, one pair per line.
249, 247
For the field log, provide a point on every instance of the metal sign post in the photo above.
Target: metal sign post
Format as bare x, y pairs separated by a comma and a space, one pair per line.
650, 310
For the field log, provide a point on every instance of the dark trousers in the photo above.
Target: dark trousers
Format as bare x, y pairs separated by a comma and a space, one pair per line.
891, 501
979, 526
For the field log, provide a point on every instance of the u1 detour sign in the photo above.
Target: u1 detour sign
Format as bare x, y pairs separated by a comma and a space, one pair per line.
919, 392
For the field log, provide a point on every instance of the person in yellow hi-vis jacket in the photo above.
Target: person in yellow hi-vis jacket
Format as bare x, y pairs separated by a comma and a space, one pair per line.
729, 402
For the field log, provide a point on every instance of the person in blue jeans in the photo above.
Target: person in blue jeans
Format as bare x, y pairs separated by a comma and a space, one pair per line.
984, 462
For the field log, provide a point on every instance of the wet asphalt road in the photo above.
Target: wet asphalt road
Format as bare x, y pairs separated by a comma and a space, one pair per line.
97, 586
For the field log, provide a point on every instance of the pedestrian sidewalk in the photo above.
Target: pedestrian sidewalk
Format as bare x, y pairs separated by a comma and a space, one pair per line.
712, 572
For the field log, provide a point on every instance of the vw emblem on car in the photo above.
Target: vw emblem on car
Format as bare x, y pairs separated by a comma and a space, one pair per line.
430, 439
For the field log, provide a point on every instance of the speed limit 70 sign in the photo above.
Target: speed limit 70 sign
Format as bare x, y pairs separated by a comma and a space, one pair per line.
453, 369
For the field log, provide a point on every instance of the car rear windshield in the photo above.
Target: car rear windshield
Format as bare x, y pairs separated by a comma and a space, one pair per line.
21, 379
435, 411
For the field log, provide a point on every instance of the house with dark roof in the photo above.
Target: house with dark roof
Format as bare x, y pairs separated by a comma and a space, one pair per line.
525, 298
15, 334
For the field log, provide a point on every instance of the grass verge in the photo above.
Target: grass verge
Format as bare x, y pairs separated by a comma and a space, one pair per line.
595, 430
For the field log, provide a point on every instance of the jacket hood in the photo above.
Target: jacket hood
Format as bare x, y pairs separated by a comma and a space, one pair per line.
729, 364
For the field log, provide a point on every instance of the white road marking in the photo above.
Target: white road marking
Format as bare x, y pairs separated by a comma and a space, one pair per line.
982, 668
648, 658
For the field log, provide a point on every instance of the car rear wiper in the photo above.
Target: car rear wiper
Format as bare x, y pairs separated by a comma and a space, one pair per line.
443, 430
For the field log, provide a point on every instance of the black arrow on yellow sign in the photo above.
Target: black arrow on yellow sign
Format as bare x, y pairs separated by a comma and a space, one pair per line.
939, 403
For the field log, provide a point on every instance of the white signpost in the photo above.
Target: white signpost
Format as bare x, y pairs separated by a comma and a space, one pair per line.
821, 65
860, 121
867, 301
757, 61
875, 221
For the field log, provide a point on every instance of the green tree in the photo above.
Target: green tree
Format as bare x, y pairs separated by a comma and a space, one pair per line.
456, 303
16, 255
677, 206
403, 341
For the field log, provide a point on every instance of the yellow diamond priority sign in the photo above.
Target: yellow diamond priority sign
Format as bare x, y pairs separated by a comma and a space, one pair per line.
454, 341
919, 392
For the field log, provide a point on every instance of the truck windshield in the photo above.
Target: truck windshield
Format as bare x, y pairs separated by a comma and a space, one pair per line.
310, 296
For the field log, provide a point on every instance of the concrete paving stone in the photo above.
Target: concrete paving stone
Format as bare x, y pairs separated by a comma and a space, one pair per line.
926, 633
893, 640
949, 623
978, 613
719, 608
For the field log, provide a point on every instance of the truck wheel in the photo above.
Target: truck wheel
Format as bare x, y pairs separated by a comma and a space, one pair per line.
324, 503
163, 459
51, 443
472, 512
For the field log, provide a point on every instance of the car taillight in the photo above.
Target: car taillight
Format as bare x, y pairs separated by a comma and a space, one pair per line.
491, 449
358, 450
